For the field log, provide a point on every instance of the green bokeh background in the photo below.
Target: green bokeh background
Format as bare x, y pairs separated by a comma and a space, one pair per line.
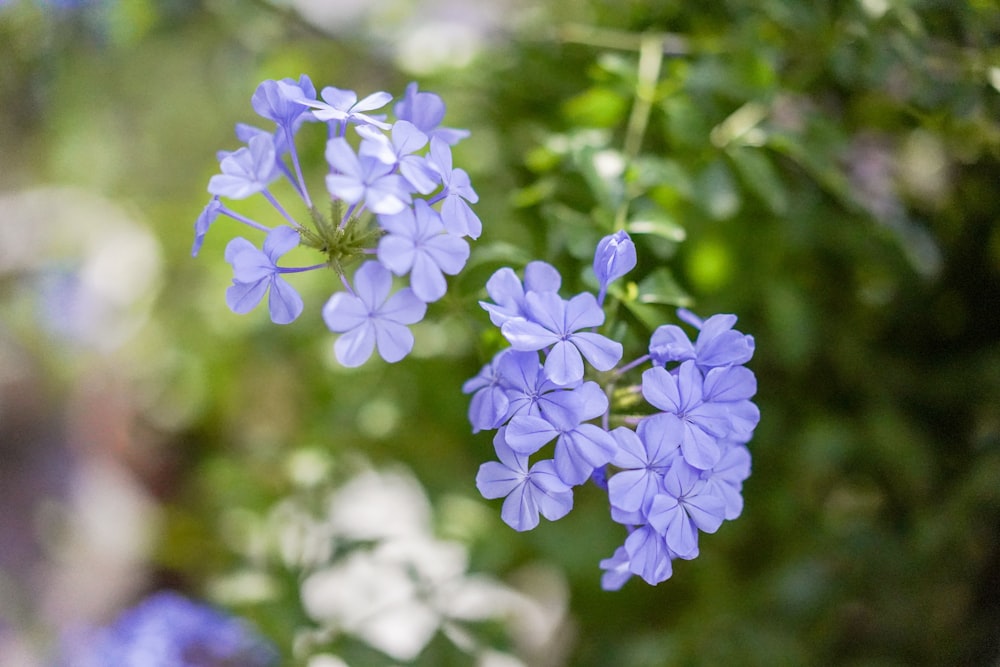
832, 169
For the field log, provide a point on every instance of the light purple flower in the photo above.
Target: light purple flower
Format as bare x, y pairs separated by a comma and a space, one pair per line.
281, 101
489, 405
370, 317
725, 480
364, 179
680, 396
204, 221
426, 111
256, 273
580, 447
686, 506
614, 257
507, 292
399, 151
644, 456
648, 555
526, 491
669, 343
616, 570
531, 392
342, 106
553, 321
417, 243
246, 171
457, 193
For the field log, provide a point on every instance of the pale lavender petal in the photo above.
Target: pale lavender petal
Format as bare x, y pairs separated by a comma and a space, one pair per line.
344, 312
527, 336
563, 365
355, 347
495, 480
581, 312
284, 303
279, 241
527, 434
403, 307
244, 297
394, 340
602, 352
648, 555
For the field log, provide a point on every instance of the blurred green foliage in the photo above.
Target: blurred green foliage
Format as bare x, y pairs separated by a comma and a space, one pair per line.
827, 171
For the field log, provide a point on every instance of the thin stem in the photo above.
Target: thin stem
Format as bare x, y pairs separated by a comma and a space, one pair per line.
298, 169
347, 285
651, 50
280, 208
632, 364
348, 214
299, 269
242, 218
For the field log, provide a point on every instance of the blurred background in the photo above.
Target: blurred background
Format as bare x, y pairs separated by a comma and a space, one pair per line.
827, 171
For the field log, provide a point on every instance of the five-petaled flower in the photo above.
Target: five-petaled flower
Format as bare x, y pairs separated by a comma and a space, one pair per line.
370, 317
257, 273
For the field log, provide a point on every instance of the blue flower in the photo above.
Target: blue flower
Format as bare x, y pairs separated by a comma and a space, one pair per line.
686, 505
342, 106
614, 257
364, 179
580, 447
616, 570
257, 273
644, 456
648, 555
531, 392
718, 344
246, 171
726, 478
680, 396
526, 491
204, 221
553, 321
508, 293
489, 405
417, 243
370, 317
426, 111
281, 101
457, 193
168, 630
400, 152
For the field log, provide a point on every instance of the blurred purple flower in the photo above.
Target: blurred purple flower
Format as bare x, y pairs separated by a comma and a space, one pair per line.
246, 171
426, 111
168, 630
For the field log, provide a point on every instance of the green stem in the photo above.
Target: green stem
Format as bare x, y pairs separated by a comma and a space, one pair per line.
651, 51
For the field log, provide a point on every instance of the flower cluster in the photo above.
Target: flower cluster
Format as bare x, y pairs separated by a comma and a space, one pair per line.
670, 470
398, 208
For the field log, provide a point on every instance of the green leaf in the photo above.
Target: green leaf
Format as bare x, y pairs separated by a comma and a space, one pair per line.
657, 223
717, 192
758, 173
659, 287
